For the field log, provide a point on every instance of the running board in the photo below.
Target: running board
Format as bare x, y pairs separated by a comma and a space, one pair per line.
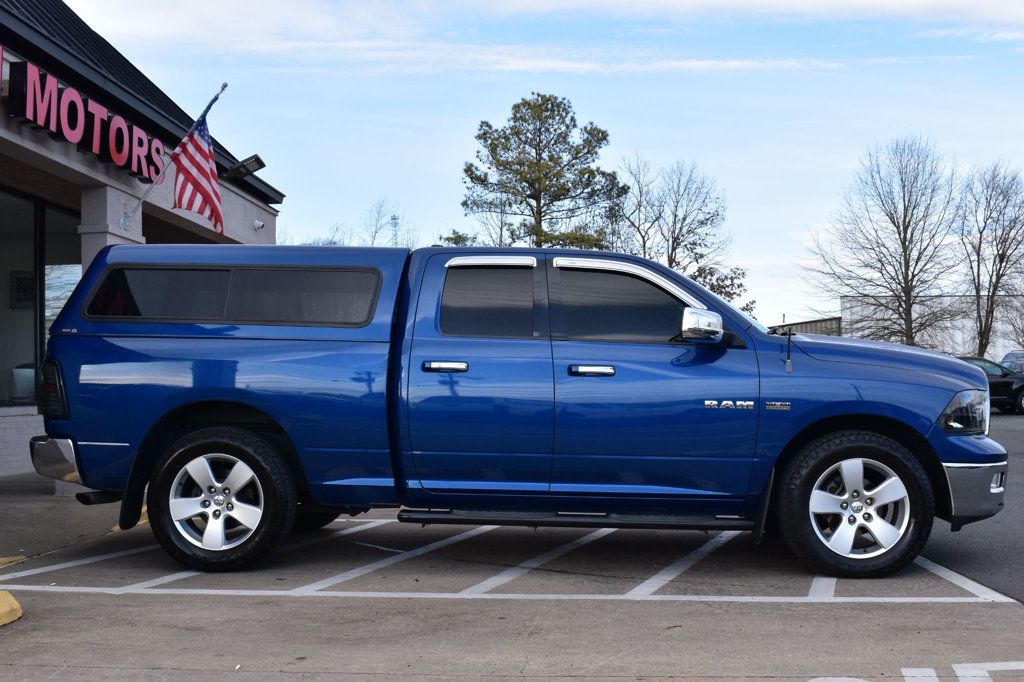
575, 520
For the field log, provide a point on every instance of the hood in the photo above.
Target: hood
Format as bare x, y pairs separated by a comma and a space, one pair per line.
882, 354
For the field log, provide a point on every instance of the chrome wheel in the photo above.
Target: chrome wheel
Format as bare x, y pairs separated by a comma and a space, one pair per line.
216, 502
859, 508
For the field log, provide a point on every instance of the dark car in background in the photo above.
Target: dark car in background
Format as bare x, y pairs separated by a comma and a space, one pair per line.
1014, 360
1005, 385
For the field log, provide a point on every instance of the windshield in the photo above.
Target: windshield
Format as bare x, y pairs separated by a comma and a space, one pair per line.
754, 323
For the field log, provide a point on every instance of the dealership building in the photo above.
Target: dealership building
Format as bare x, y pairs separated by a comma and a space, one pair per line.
83, 133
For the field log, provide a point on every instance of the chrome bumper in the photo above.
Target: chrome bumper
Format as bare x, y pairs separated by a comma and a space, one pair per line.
975, 490
54, 458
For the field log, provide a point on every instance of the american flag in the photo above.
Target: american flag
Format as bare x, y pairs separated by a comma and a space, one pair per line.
196, 187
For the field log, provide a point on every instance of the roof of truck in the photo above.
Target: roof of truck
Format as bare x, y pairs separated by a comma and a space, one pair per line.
269, 254
242, 254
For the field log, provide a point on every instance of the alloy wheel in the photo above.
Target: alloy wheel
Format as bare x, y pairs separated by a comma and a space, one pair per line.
859, 508
216, 502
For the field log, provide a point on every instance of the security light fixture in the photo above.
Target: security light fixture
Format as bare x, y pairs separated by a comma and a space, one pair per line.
245, 167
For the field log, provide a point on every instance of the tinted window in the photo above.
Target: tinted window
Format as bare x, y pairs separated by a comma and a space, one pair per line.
488, 302
162, 293
341, 297
607, 306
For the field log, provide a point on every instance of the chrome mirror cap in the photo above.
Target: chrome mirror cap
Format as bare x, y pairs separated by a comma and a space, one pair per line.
701, 326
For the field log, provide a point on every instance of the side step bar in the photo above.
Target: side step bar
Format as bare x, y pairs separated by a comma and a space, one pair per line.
572, 520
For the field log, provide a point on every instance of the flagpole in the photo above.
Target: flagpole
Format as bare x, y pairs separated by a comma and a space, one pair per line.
128, 215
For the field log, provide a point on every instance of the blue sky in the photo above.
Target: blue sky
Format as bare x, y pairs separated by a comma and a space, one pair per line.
775, 99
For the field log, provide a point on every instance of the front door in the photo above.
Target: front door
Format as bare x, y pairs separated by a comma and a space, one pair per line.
639, 414
481, 405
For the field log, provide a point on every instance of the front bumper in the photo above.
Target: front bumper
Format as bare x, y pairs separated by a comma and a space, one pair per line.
54, 458
975, 490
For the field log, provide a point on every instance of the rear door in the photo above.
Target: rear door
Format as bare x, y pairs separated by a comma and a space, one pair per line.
639, 414
480, 396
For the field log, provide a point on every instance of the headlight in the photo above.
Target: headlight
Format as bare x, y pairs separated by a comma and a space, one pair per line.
967, 414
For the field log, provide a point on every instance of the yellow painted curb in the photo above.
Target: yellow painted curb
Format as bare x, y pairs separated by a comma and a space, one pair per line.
10, 560
10, 609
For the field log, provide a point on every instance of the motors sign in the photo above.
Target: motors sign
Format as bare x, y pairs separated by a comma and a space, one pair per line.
45, 102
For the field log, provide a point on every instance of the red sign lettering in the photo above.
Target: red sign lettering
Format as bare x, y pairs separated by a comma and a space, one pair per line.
40, 99
72, 115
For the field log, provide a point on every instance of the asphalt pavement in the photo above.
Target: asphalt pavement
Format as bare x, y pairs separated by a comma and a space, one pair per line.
992, 551
370, 598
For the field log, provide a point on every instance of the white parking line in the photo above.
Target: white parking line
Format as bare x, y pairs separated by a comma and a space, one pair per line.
514, 572
162, 580
675, 569
979, 672
364, 525
822, 590
963, 581
746, 599
181, 575
369, 568
77, 562
822, 586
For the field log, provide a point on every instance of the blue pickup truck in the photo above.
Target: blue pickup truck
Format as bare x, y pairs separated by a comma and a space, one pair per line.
244, 392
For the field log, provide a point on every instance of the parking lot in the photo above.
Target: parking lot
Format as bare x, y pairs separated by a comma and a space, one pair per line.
373, 597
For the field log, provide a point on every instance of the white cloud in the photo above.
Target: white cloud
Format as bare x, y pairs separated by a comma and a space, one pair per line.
316, 37
981, 35
1010, 11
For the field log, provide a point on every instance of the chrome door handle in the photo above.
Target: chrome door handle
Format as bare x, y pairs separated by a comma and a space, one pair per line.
592, 370
444, 366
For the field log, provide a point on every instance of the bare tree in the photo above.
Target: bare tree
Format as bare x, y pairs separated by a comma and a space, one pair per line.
889, 245
1015, 319
693, 212
337, 235
375, 226
675, 216
381, 225
640, 209
991, 231
497, 226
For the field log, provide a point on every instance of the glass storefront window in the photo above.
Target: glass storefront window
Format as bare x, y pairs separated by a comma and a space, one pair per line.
17, 300
63, 262
31, 235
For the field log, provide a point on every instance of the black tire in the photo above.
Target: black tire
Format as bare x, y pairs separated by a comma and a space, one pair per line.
307, 521
1018, 402
277, 493
792, 505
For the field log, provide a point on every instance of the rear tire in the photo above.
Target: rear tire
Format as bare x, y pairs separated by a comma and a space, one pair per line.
196, 515
1018, 403
855, 504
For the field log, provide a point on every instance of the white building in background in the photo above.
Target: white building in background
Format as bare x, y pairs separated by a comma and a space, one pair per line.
956, 337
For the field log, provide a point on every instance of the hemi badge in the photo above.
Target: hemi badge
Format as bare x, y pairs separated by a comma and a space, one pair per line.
776, 405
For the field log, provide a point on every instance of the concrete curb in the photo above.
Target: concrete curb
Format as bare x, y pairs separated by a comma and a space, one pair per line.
10, 609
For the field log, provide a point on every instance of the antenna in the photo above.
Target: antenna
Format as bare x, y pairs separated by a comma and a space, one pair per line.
394, 229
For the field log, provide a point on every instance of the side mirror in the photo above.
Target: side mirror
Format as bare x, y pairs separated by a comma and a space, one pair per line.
701, 326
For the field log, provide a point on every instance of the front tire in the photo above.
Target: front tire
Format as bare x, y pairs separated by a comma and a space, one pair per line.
855, 504
221, 498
